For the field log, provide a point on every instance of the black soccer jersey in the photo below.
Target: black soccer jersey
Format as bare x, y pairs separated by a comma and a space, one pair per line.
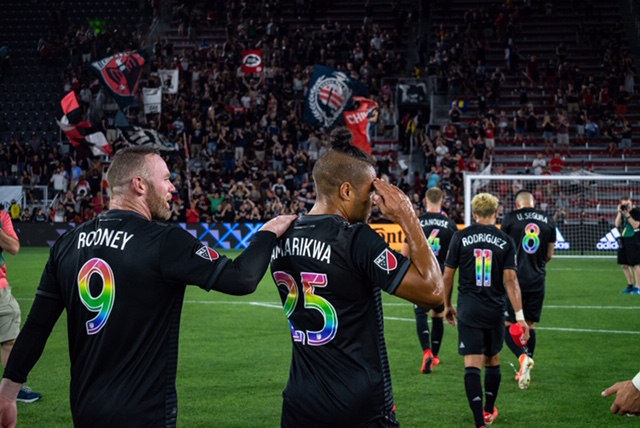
122, 279
482, 253
532, 231
329, 275
438, 229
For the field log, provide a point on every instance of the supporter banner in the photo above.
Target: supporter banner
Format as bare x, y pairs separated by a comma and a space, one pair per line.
99, 144
330, 93
412, 94
170, 80
252, 61
120, 73
152, 100
136, 136
8, 194
360, 121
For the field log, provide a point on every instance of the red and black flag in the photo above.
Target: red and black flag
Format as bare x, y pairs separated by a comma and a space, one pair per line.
360, 121
80, 132
120, 74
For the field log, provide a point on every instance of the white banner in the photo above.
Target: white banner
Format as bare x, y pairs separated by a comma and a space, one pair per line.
169, 79
8, 194
152, 99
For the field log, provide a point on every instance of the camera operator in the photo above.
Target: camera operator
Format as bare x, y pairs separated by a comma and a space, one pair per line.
628, 222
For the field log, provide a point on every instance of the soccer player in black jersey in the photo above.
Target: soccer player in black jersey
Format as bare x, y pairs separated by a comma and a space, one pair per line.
330, 268
121, 279
534, 233
486, 257
438, 229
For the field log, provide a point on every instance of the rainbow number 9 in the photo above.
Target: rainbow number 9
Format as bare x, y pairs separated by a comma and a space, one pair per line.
103, 302
434, 241
531, 238
311, 301
483, 267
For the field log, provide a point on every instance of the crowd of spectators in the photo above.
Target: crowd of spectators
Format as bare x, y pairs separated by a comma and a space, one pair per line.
529, 100
243, 152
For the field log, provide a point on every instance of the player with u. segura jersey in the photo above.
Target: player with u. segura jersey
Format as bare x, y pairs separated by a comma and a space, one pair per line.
534, 233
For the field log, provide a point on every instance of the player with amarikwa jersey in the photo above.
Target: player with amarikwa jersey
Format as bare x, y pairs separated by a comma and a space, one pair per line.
486, 257
330, 268
534, 233
438, 228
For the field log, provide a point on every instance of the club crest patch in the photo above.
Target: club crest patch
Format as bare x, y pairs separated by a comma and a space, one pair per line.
386, 261
208, 253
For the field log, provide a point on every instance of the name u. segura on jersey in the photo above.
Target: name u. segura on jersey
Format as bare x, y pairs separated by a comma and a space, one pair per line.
303, 247
484, 237
104, 238
532, 216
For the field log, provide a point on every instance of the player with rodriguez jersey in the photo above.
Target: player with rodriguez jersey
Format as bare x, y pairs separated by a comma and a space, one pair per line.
486, 257
534, 233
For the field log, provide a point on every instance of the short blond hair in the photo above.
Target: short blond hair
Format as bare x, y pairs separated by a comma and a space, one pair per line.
484, 204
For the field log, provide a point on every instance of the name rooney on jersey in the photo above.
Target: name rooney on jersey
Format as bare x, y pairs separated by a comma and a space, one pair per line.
532, 216
304, 247
104, 237
434, 222
484, 237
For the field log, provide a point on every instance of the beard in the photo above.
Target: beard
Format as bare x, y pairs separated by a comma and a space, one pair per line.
158, 206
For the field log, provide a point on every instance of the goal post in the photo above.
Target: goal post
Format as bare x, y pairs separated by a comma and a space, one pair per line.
584, 207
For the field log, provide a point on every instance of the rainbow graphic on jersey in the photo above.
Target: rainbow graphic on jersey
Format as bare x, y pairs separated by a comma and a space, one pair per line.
103, 302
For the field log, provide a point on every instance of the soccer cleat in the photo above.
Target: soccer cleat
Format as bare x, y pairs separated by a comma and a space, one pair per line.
628, 290
524, 375
635, 291
27, 395
427, 362
436, 360
489, 418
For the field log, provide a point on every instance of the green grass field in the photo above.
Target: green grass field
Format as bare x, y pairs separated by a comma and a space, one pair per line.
235, 353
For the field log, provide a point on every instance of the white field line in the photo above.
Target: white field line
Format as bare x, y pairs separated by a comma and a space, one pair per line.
574, 330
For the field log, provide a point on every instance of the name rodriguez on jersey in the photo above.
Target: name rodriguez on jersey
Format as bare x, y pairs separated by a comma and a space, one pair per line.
483, 237
304, 247
105, 238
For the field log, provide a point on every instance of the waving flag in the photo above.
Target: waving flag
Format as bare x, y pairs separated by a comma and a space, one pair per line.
330, 93
120, 74
360, 121
252, 61
79, 132
137, 136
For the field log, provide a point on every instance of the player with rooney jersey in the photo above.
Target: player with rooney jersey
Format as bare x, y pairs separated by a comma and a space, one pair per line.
121, 279
330, 268
486, 257
534, 233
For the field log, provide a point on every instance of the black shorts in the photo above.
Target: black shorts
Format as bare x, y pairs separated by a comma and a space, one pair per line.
419, 309
480, 341
629, 252
531, 306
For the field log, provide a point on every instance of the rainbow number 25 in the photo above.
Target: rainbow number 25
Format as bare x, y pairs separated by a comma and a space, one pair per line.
102, 303
311, 301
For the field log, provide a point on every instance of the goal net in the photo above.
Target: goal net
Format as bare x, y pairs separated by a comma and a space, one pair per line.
584, 207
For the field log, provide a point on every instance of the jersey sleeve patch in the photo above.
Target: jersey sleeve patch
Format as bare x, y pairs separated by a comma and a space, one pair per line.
208, 253
386, 261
